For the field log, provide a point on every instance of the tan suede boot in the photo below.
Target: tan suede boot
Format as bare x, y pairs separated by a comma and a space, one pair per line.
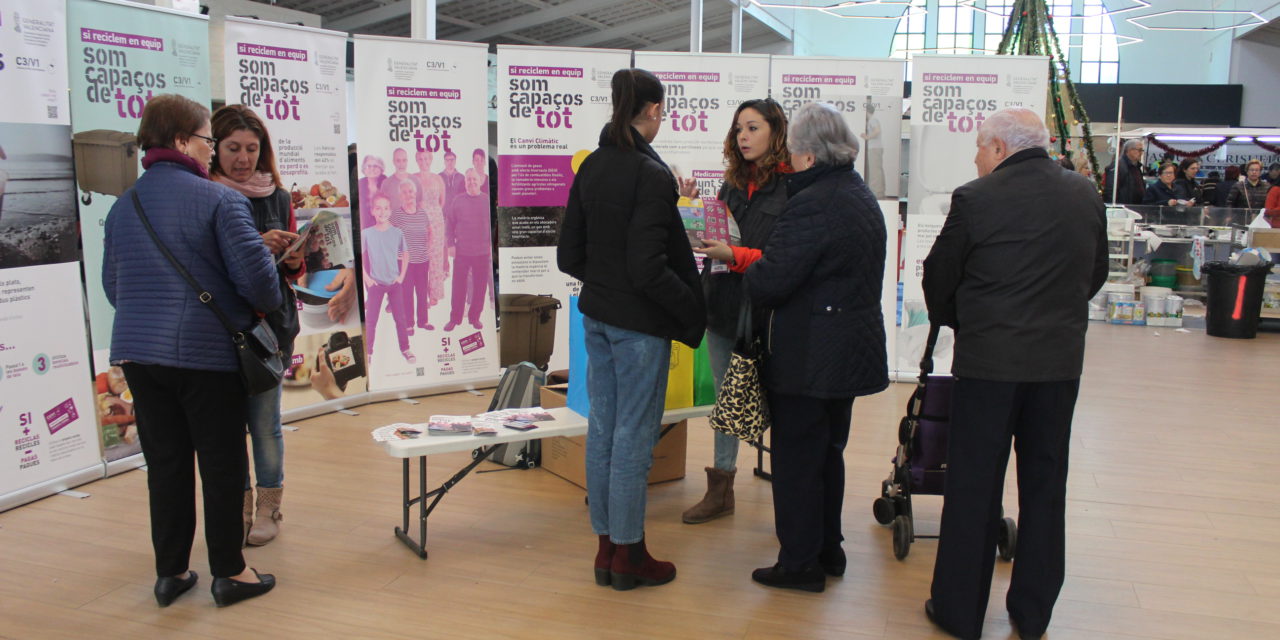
266, 523
718, 501
247, 515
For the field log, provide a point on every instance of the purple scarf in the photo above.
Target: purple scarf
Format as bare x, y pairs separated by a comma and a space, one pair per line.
161, 154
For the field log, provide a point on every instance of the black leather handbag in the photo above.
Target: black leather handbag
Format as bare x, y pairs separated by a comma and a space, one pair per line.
261, 363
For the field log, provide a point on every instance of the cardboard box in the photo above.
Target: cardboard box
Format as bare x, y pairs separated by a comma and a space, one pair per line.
567, 457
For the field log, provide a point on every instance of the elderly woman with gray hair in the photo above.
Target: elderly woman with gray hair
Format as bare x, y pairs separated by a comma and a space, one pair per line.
818, 279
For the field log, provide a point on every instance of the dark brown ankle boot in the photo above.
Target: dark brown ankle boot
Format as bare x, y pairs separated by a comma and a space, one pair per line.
632, 565
604, 559
718, 501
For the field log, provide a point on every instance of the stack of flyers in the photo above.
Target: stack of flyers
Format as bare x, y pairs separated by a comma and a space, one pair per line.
397, 431
484, 429
449, 425
521, 419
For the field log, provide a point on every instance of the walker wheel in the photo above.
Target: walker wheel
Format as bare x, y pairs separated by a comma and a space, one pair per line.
1007, 542
883, 510
901, 537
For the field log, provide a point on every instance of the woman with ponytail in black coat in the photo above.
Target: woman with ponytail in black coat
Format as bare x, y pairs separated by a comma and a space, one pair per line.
622, 237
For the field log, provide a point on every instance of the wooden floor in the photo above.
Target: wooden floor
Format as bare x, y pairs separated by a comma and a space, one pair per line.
1173, 524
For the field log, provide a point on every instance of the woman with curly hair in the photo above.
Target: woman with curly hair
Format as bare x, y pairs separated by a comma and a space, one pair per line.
754, 190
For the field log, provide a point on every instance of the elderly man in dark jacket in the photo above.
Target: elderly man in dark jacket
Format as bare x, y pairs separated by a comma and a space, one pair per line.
1132, 185
819, 281
1022, 252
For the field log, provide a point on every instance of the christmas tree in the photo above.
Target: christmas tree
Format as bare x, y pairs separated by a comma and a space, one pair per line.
1030, 32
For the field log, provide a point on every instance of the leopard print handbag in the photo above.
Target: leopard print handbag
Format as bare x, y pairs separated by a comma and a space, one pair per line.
741, 409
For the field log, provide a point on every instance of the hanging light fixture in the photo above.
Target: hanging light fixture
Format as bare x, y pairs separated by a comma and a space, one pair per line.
834, 7
1250, 19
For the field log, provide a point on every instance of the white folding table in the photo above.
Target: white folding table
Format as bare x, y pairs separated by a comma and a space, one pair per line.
565, 423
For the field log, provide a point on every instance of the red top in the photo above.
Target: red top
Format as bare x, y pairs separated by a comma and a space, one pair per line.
1272, 211
743, 257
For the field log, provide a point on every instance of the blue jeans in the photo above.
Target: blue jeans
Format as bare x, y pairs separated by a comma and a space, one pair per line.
268, 444
627, 382
719, 348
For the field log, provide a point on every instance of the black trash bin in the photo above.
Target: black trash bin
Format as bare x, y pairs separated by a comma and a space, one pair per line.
1234, 299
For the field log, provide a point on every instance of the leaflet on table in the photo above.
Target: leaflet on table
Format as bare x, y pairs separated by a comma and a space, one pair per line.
397, 431
705, 218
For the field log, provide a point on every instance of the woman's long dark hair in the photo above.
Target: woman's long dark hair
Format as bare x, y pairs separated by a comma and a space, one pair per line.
1186, 164
632, 90
738, 172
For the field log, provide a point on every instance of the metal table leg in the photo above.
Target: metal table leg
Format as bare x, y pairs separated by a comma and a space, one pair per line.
419, 546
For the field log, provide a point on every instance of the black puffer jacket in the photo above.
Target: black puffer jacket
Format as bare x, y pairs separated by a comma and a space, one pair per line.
756, 217
820, 278
623, 238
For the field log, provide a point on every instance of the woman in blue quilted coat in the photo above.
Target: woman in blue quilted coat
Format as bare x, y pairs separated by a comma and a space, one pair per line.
818, 282
177, 357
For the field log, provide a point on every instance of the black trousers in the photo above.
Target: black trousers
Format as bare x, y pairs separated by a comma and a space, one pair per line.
985, 417
182, 412
807, 444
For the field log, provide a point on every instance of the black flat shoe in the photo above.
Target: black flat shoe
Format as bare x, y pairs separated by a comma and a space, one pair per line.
933, 617
833, 561
169, 588
227, 592
1023, 635
811, 579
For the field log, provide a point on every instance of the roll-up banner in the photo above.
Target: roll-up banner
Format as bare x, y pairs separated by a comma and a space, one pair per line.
951, 97
47, 415
702, 91
422, 136
294, 78
869, 94
122, 54
552, 105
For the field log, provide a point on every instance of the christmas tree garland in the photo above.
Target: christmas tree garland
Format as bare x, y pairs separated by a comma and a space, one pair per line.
1030, 32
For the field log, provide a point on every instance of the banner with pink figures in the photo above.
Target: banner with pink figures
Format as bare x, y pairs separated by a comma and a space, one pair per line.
703, 90
552, 105
294, 79
868, 92
425, 225
48, 421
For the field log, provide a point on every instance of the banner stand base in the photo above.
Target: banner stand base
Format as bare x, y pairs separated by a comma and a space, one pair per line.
405, 394
127, 463
50, 487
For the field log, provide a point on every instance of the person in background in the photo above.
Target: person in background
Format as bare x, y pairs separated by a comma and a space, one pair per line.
1186, 188
1209, 189
385, 266
467, 236
623, 238
1230, 176
1250, 193
245, 161
1273, 174
755, 192
1272, 209
414, 223
1022, 251
1132, 186
431, 199
1161, 191
1080, 164
177, 357
369, 186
